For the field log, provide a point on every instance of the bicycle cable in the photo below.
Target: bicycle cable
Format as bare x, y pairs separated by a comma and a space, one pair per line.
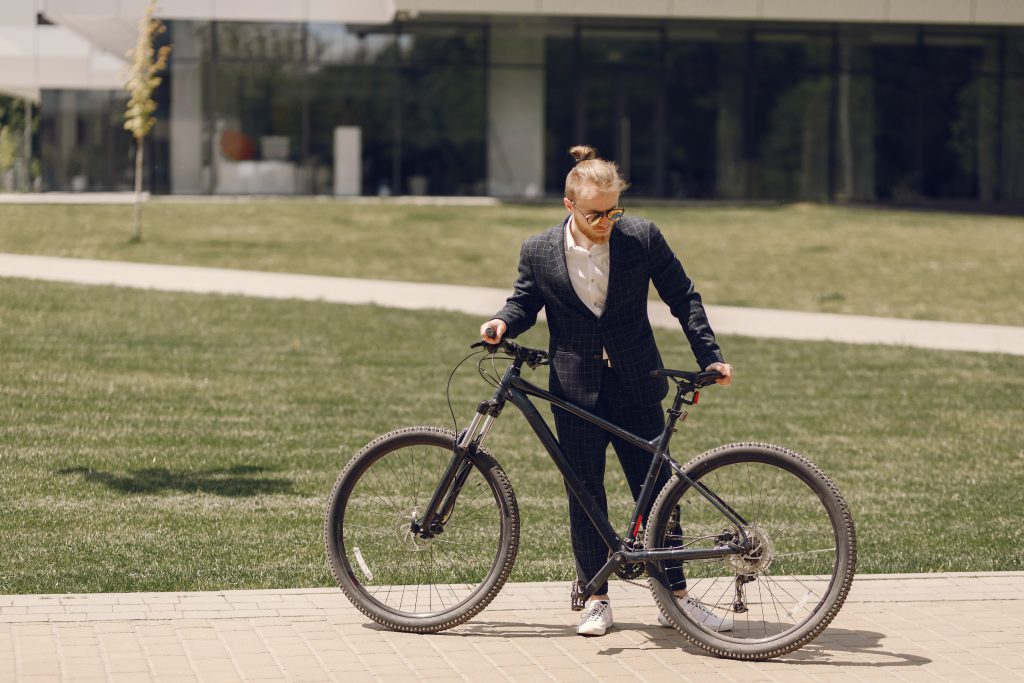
448, 387
492, 379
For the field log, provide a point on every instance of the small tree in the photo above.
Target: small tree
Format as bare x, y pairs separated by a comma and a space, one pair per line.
9, 123
144, 64
8, 157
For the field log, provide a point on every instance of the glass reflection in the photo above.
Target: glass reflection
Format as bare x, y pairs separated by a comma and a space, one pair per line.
689, 110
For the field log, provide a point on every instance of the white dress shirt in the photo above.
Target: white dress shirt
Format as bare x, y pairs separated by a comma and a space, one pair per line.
588, 271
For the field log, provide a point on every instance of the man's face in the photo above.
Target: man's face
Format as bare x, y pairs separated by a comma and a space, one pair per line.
591, 202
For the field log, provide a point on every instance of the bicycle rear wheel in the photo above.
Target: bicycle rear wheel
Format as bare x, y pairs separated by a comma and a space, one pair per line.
788, 588
392, 575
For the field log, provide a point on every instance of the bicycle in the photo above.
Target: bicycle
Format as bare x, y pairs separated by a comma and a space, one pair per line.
422, 526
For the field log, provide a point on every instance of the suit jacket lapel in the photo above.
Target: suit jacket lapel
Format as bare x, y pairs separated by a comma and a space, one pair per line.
614, 257
565, 290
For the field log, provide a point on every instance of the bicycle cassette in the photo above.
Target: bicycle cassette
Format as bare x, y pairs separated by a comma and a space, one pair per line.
760, 557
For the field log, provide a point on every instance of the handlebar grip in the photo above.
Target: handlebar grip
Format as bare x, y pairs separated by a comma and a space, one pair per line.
491, 333
708, 377
697, 379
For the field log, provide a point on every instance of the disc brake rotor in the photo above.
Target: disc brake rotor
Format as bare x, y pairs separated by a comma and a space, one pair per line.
760, 557
406, 537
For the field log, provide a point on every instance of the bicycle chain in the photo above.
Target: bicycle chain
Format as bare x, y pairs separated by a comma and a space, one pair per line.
637, 583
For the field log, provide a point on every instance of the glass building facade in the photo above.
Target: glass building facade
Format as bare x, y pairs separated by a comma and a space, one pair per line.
690, 110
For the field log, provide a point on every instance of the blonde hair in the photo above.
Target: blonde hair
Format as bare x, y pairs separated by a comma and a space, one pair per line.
592, 170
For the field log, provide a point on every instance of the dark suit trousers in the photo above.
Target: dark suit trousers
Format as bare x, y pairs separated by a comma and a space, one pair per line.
585, 445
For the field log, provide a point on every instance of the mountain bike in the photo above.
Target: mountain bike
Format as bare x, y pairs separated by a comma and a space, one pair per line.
422, 526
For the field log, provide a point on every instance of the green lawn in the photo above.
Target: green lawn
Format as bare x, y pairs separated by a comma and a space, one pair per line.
156, 441
908, 264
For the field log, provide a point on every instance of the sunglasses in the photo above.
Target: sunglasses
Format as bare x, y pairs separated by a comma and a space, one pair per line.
593, 218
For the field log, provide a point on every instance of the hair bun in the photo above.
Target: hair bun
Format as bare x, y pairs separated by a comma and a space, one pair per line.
596, 173
583, 153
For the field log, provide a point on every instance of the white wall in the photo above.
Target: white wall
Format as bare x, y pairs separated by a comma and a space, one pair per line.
515, 103
18, 12
33, 58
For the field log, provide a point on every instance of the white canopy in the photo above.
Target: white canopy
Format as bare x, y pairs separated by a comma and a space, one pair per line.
84, 48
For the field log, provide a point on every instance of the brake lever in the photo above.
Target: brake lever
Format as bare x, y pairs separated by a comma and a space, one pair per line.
490, 348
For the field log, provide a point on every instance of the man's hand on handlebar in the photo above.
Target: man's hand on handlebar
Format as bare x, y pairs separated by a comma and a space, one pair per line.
724, 369
492, 331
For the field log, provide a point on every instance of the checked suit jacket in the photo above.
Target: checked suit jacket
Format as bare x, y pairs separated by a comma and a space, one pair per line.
639, 256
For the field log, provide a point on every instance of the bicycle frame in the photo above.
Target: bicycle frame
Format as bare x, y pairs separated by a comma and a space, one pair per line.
513, 388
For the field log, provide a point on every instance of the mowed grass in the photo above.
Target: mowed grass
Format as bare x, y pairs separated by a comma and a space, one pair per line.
155, 441
904, 264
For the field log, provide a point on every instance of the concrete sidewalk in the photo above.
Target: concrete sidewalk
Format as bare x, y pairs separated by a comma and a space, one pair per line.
922, 627
482, 301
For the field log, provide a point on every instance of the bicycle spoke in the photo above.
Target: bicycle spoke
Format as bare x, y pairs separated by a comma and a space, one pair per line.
389, 569
783, 582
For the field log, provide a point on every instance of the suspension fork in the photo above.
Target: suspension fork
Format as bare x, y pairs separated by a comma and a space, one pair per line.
468, 443
442, 503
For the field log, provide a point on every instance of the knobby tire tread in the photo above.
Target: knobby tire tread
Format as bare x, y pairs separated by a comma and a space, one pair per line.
489, 469
847, 536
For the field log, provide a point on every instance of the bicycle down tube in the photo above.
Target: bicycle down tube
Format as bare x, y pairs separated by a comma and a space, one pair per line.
518, 392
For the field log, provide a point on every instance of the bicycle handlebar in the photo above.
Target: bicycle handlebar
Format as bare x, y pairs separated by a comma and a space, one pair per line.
535, 357
532, 357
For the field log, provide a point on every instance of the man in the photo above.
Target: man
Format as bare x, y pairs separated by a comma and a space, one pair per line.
591, 274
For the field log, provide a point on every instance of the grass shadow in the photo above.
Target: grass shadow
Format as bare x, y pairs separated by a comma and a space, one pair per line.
236, 481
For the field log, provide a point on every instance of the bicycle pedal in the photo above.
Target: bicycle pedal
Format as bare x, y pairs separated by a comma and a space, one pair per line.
577, 599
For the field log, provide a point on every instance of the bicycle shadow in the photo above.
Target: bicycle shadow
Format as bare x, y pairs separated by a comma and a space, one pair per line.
833, 648
236, 481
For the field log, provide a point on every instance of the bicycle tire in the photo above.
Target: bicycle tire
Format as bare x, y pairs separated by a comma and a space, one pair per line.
806, 551
391, 575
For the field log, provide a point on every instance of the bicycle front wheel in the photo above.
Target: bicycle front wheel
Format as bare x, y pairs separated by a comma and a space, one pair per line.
391, 574
788, 587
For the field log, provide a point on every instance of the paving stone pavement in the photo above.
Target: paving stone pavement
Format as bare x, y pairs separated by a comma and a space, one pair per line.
911, 627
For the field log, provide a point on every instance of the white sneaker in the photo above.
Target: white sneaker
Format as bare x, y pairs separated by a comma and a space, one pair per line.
597, 618
705, 617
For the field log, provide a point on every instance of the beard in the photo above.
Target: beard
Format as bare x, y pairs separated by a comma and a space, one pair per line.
593, 234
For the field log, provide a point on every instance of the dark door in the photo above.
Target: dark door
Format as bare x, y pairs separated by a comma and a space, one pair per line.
622, 114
